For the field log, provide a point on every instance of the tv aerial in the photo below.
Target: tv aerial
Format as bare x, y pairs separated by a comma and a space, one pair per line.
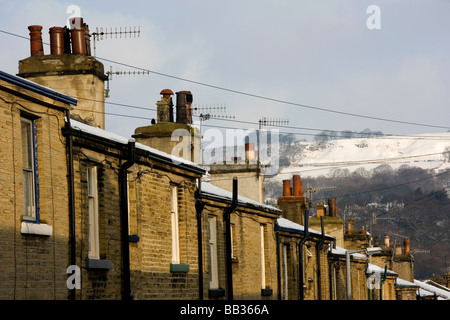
101, 34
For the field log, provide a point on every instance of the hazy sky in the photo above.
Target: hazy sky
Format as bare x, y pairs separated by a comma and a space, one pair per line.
318, 54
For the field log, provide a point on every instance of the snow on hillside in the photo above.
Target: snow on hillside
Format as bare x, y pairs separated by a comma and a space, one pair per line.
428, 151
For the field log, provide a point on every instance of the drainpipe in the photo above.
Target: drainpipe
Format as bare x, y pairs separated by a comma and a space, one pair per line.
70, 177
228, 243
300, 257
123, 181
382, 280
318, 248
199, 205
331, 269
279, 265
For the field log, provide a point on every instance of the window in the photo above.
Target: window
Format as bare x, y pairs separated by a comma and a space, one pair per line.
29, 169
233, 242
174, 218
265, 287
93, 213
213, 270
285, 272
263, 260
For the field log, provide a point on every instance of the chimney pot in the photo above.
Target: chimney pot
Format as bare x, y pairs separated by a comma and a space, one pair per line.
56, 40
406, 245
189, 100
297, 186
78, 41
77, 33
332, 207
166, 93
181, 107
320, 209
351, 225
36, 46
386, 240
250, 151
286, 188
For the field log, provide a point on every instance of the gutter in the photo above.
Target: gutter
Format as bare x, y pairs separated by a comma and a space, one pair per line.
123, 181
300, 257
139, 152
226, 215
279, 265
34, 87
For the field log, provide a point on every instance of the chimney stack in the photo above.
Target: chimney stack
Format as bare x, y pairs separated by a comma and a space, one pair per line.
36, 46
398, 248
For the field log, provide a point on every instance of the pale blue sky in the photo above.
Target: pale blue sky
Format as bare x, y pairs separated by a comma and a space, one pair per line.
314, 53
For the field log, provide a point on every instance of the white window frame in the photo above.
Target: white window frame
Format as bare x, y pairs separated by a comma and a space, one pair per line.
174, 221
92, 187
285, 272
263, 259
30, 178
213, 264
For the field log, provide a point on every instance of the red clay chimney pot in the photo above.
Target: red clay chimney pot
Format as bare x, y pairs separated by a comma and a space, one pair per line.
297, 186
56, 40
36, 46
286, 188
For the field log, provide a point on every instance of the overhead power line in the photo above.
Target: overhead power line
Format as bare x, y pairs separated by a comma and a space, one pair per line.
257, 95
273, 99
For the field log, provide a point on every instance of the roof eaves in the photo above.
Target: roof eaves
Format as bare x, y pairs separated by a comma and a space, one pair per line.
34, 87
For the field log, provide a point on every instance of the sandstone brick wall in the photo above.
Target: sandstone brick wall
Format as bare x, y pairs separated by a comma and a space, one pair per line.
32, 266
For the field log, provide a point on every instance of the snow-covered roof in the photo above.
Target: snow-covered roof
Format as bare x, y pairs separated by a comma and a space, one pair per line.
443, 294
290, 226
371, 268
342, 251
405, 283
77, 125
209, 189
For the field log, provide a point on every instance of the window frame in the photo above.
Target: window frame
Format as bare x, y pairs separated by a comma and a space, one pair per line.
174, 224
31, 170
93, 213
263, 256
213, 253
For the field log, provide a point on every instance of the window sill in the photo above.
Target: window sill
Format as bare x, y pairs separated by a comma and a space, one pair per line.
216, 293
179, 267
39, 229
266, 292
103, 264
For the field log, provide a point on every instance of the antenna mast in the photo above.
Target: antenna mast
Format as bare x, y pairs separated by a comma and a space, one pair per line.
263, 122
208, 116
99, 34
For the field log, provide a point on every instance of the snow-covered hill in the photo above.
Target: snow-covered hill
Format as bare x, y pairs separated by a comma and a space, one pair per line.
428, 151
